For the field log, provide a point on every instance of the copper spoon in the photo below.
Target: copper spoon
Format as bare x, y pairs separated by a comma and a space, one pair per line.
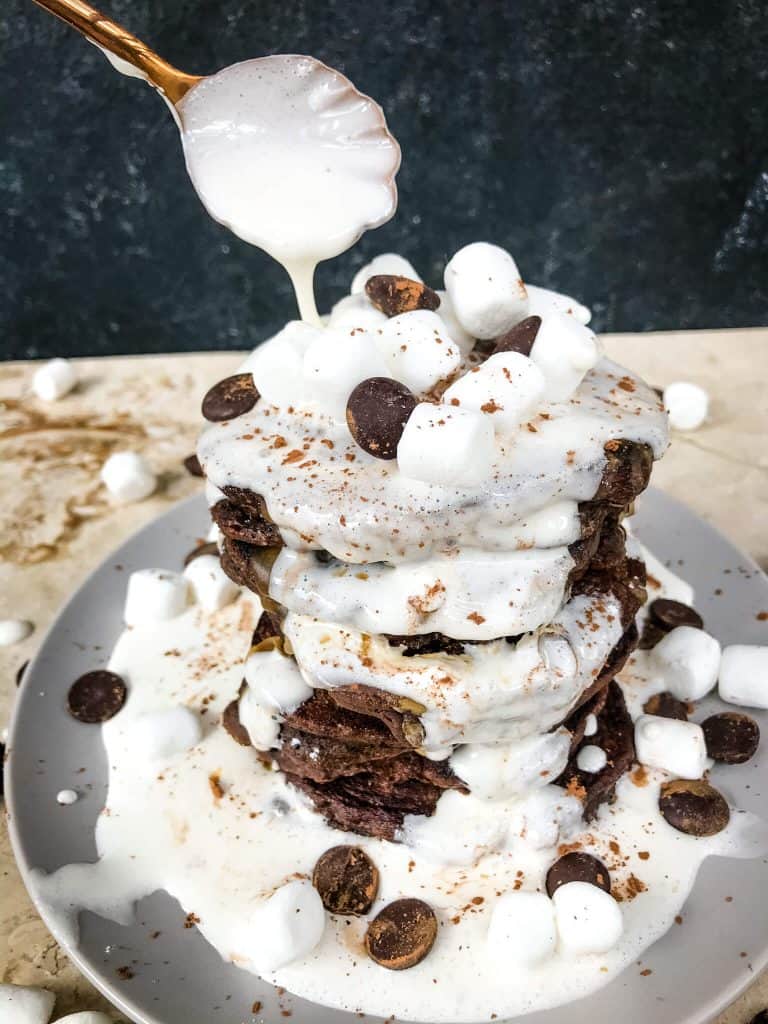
174, 84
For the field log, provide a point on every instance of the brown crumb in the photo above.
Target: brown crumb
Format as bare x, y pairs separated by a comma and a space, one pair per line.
762, 616
215, 784
256, 1008
646, 972
679, 919
191, 920
476, 617
643, 855
125, 973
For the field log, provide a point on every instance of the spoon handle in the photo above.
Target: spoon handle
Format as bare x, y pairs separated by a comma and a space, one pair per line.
113, 37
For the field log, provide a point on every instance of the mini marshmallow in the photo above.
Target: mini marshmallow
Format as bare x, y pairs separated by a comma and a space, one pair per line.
542, 302
154, 594
335, 363
53, 380
277, 364
564, 351
688, 661
687, 405
285, 927
20, 1004
158, 735
447, 314
744, 675
128, 476
507, 387
274, 681
66, 797
418, 349
591, 759
588, 919
212, 588
13, 631
522, 928
355, 312
85, 1017
590, 725
441, 445
386, 263
671, 745
486, 290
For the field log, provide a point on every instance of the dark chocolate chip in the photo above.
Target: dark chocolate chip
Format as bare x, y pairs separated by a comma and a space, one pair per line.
347, 880
230, 719
731, 737
377, 411
20, 672
578, 867
668, 614
211, 548
761, 1018
666, 705
192, 465
231, 397
519, 338
393, 294
96, 696
694, 807
402, 934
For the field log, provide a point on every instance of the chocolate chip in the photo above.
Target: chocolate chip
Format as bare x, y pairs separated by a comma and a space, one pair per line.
578, 867
761, 1018
230, 719
347, 880
519, 338
666, 705
731, 737
393, 294
96, 696
402, 934
211, 548
377, 411
20, 672
231, 397
694, 807
192, 465
668, 614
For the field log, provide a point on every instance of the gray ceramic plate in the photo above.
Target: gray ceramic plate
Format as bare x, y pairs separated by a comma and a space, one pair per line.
697, 969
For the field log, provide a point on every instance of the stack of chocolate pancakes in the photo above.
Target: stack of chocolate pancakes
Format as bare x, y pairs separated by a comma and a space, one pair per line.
505, 610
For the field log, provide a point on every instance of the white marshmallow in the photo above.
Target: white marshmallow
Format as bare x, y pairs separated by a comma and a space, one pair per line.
671, 745
386, 263
154, 594
128, 476
522, 928
486, 290
447, 314
158, 735
212, 588
335, 363
590, 725
66, 797
418, 349
564, 350
588, 919
13, 631
441, 445
85, 1017
355, 312
20, 1004
274, 681
688, 661
285, 927
53, 380
744, 675
542, 302
591, 759
277, 364
687, 405
501, 771
507, 387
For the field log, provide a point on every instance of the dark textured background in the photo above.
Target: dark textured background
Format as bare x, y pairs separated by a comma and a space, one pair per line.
618, 149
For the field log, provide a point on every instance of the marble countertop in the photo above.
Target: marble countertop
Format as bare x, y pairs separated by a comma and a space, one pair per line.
56, 525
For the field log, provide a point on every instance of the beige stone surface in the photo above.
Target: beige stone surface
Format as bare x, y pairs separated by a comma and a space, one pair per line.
56, 524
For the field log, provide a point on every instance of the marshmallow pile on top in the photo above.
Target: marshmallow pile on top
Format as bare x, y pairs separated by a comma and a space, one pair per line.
468, 383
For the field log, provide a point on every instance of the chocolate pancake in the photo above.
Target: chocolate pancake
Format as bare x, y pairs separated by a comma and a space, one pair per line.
615, 735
